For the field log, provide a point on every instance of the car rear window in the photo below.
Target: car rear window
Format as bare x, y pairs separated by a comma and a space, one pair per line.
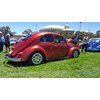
47, 38
28, 36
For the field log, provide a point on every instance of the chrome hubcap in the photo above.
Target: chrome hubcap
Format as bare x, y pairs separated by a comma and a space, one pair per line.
37, 58
75, 55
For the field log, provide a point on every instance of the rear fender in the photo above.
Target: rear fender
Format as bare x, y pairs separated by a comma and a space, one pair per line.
28, 51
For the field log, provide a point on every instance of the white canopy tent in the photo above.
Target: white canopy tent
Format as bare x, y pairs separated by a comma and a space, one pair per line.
63, 30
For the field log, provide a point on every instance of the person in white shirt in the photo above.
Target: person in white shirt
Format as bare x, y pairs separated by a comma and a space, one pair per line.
85, 43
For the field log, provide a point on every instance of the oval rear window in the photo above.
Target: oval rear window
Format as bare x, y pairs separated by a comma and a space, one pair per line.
28, 36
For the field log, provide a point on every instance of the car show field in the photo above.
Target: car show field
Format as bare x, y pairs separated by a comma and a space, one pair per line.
87, 65
47, 54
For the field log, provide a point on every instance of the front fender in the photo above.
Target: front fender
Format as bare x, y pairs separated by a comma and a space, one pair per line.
71, 50
28, 51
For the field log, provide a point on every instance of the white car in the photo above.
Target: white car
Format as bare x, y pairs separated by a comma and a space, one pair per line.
13, 41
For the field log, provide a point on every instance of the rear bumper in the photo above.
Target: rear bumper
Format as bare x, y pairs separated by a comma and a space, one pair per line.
13, 59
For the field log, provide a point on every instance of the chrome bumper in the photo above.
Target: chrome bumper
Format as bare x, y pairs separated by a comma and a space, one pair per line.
13, 59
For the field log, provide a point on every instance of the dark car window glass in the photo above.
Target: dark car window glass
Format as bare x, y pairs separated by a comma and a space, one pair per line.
47, 38
28, 36
59, 39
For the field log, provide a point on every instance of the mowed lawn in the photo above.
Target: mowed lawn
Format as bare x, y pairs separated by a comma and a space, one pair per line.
86, 66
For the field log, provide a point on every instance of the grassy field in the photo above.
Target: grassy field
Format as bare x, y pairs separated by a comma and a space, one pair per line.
86, 66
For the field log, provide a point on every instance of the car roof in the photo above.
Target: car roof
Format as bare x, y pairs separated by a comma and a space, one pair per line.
44, 33
38, 34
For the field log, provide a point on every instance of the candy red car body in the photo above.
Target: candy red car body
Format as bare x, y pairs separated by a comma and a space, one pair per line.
79, 43
42, 46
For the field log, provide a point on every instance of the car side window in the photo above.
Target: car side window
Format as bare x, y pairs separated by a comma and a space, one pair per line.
47, 38
59, 39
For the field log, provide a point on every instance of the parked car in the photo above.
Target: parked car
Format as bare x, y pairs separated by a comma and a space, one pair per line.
13, 41
40, 47
94, 44
17, 41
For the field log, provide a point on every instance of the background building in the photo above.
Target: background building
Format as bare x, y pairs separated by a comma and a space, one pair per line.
62, 30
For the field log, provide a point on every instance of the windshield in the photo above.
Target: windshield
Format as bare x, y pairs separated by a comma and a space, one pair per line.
95, 40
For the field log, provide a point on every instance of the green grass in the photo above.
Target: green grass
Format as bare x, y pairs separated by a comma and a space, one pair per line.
86, 66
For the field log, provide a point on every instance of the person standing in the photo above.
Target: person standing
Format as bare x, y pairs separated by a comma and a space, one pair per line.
1, 41
85, 43
75, 39
7, 42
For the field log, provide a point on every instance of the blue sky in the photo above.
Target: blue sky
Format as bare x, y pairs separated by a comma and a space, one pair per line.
19, 27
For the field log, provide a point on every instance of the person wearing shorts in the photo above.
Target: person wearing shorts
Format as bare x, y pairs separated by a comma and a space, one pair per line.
7, 42
1, 41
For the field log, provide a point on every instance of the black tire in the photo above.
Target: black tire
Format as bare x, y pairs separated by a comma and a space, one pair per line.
36, 58
75, 54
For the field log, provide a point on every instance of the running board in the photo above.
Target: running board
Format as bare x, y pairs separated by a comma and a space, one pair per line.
58, 58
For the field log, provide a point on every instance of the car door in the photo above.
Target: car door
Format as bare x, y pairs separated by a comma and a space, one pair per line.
47, 43
61, 47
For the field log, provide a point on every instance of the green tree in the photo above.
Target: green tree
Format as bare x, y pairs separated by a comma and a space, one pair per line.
5, 30
97, 34
27, 31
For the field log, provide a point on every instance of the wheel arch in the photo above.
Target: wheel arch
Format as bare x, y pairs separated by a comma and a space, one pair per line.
29, 51
39, 51
71, 51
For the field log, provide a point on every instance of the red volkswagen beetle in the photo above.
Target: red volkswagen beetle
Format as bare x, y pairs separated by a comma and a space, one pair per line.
39, 47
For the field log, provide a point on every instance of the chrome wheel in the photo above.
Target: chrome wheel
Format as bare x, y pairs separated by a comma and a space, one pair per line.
37, 58
75, 54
